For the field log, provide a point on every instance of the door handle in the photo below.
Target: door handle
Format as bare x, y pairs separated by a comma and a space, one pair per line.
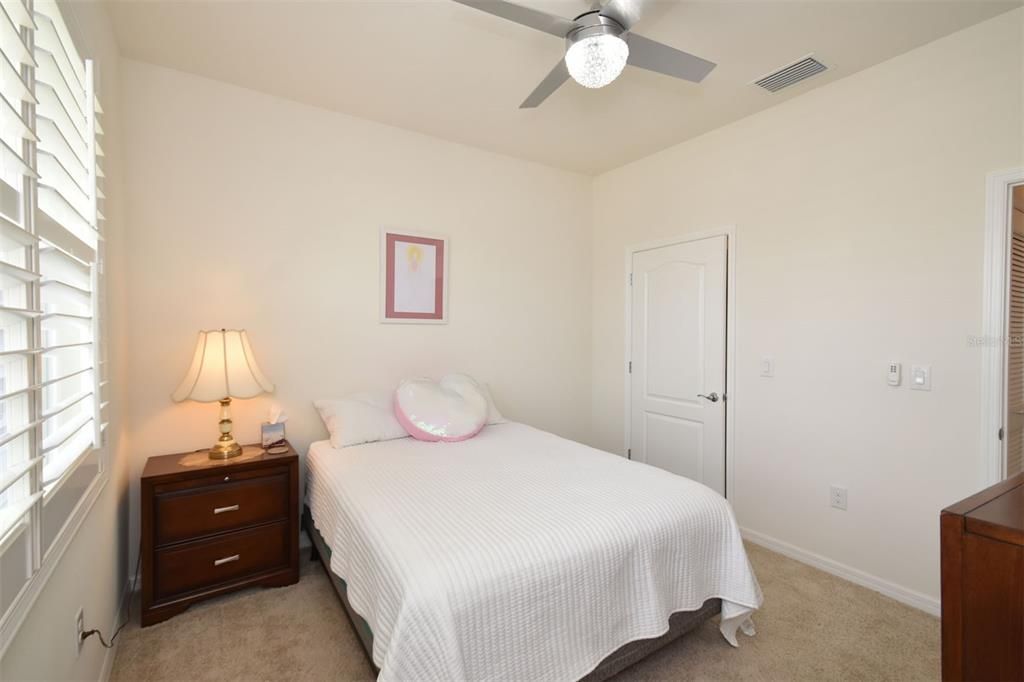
712, 397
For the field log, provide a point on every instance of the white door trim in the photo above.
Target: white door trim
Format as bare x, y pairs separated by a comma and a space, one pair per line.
999, 187
730, 336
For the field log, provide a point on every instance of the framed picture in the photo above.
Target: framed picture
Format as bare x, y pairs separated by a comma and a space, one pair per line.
414, 278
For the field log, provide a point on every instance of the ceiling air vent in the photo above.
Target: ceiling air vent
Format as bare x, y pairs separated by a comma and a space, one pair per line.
791, 74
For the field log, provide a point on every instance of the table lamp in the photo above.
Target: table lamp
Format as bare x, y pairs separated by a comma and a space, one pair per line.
223, 367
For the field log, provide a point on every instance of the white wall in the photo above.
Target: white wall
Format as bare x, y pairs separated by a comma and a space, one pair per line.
255, 212
92, 574
859, 210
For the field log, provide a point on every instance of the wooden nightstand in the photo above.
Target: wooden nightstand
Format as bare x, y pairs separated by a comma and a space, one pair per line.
213, 526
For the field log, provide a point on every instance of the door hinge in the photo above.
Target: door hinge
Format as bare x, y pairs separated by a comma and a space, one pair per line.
630, 366
631, 279
1001, 433
629, 453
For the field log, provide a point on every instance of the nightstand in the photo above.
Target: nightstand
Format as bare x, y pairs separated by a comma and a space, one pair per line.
213, 526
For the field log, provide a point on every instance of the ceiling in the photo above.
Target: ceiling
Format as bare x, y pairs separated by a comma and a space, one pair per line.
447, 70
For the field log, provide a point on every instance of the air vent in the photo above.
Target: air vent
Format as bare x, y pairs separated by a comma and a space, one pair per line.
791, 74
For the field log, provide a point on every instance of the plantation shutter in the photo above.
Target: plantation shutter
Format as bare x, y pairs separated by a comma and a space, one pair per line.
66, 222
52, 369
18, 308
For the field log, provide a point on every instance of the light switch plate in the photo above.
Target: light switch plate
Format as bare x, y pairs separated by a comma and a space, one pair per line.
893, 376
921, 377
767, 367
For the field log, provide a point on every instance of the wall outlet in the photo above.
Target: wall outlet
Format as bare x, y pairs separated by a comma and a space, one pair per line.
79, 629
837, 497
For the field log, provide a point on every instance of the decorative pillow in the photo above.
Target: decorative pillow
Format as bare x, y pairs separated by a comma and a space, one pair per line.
449, 410
360, 418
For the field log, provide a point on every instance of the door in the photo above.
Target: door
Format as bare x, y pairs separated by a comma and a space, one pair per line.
677, 371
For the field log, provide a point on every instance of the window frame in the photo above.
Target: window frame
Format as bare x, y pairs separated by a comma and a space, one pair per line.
41, 562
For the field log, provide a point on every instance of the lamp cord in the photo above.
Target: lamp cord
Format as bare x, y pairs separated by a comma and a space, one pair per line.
86, 634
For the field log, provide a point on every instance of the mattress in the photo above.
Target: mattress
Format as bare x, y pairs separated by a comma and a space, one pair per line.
518, 554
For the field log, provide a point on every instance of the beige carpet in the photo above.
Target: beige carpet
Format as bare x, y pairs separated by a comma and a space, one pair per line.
813, 627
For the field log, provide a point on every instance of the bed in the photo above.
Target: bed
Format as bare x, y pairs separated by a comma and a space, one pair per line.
520, 555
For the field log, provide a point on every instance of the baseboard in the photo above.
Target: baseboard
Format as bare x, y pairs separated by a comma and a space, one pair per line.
917, 600
111, 653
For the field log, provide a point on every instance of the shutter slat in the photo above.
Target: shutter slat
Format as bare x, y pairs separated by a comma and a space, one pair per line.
10, 41
19, 13
10, 476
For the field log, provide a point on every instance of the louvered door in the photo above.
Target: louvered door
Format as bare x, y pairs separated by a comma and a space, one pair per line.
1015, 364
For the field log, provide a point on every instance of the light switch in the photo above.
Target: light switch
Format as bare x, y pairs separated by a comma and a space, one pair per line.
767, 367
921, 377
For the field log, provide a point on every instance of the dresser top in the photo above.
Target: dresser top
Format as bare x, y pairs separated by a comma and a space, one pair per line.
1007, 510
198, 462
996, 512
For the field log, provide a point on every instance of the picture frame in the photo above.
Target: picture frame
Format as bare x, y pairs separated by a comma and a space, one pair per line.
271, 434
413, 277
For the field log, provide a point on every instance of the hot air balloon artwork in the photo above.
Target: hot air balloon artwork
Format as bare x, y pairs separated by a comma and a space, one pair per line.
414, 278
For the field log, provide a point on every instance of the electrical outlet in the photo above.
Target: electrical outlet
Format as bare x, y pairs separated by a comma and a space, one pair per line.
79, 629
838, 497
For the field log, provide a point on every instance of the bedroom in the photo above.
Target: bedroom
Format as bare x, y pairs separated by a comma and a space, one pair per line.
253, 160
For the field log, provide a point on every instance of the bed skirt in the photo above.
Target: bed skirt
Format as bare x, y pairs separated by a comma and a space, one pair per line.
679, 623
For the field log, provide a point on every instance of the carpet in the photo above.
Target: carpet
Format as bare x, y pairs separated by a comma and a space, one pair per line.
813, 626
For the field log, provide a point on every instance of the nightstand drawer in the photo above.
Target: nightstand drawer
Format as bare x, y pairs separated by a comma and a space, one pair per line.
208, 563
213, 509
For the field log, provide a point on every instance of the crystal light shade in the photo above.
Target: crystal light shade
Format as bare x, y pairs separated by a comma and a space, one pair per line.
596, 61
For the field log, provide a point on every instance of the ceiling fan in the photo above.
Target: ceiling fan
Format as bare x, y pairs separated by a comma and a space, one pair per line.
599, 44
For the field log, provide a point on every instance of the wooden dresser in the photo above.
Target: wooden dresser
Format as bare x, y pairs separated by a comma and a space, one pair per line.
983, 585
213, 526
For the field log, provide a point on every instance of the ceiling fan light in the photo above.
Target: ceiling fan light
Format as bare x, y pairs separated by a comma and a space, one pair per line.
595, 61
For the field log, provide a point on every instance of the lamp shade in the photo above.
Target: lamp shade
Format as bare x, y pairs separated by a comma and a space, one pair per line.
223, 366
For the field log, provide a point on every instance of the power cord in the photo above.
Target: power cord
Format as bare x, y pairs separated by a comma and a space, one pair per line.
128, 616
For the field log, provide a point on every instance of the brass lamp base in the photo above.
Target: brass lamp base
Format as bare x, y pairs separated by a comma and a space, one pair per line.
226, 447
225, 450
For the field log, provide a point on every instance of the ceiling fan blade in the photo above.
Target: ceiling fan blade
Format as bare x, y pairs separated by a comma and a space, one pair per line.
551, 82
654, 56
626, 12
542, 21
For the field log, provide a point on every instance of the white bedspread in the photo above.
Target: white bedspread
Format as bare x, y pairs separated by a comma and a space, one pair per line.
519, 555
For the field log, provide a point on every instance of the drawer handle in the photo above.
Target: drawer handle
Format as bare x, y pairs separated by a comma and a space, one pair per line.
221, 510
226, 560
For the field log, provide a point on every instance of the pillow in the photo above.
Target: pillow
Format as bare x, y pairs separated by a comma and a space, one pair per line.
449, 410
360, 418
493, 416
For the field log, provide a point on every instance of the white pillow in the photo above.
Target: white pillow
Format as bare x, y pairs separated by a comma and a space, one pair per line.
360, 418
493, 416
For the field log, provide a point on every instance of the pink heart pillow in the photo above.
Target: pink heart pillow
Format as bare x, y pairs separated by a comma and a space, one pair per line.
449, 410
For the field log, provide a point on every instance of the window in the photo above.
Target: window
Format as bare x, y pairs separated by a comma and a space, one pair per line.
52, 388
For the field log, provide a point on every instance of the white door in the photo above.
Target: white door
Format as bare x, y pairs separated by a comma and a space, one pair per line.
677, 383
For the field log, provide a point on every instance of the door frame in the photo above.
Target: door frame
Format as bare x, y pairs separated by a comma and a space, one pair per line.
729, 231
994, 313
